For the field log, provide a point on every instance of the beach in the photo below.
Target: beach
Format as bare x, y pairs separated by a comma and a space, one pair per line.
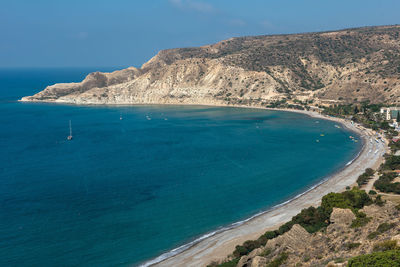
217, 246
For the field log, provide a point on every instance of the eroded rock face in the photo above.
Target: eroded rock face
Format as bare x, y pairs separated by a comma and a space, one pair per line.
295, 239
350, 64
342, 216
333, 246
258, 261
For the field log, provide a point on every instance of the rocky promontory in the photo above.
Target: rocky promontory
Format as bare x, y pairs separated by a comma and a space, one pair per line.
345, 66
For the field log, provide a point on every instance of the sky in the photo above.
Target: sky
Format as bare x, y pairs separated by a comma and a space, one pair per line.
122, 33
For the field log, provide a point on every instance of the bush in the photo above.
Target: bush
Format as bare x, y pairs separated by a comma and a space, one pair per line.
378, 201
372, 192
279, 260
350, 246
387, 258
363, 178
384, 183
372, 235
360, 221
312, 219
353, 199
386, 245
246, 248
385, 227
231, 263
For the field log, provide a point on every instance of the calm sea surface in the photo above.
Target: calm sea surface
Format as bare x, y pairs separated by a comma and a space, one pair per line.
125, 191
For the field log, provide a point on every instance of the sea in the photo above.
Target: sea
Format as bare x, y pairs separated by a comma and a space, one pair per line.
136, 182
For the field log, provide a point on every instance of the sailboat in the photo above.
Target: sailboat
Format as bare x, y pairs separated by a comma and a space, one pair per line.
70, 132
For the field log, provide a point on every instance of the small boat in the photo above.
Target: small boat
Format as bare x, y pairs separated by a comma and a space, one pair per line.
322, 134
120, 117
69, 138
317, 141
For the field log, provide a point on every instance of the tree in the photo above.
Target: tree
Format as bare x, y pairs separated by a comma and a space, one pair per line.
398, 116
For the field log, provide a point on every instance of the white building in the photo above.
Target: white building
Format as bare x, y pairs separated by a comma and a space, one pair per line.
390, 113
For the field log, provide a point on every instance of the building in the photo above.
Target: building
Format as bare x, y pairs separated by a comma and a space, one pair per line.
390, 113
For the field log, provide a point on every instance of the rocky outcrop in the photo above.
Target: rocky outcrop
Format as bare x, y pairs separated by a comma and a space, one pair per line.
341, 66
295, 239
333, 246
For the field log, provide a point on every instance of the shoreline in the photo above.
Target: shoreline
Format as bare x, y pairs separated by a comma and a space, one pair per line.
217, 245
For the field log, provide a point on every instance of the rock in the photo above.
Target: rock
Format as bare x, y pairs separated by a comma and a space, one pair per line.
243, 262
342, 216
258, 261
255, 252
252, 71
295, 239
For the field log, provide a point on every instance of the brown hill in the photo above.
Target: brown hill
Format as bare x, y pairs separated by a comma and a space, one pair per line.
351, 65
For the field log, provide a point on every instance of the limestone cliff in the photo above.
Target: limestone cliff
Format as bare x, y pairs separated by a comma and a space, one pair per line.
347, 66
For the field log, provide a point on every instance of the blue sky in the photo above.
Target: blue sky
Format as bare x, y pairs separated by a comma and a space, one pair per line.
99, 33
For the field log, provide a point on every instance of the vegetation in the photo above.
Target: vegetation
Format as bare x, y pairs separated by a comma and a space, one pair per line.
384, 183
384, 259
386, 245
378, 201
231, 263
278, 261
314, 219
354, 199
352, 245
361, 220
392, 162
365, 177
381, 229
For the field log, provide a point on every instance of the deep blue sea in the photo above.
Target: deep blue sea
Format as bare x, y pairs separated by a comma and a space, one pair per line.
125, 191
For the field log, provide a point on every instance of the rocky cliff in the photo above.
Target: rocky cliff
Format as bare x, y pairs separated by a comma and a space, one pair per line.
332, 246
350, 65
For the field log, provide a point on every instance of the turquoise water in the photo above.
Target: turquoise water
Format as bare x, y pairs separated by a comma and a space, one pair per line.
125, 191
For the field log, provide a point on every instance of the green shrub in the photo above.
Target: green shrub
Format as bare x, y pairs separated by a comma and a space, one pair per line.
350, 246
231, 263
360, 221
378, 201
384, 183
278, 261
246, 248
372, 235
266, 252
386, 245
312, 219
383, 227
387, 258
365, 177
353, 199
372, 192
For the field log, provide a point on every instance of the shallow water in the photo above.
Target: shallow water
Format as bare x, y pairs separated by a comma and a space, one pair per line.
124, 191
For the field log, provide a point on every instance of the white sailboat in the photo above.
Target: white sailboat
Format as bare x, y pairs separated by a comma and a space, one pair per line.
70, 131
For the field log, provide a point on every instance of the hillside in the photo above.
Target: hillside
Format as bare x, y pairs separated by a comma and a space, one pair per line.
351, 65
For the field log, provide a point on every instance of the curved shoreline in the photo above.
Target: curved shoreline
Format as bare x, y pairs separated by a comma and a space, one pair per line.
217, 245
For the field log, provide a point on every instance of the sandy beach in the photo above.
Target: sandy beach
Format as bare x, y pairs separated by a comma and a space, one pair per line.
218, 246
